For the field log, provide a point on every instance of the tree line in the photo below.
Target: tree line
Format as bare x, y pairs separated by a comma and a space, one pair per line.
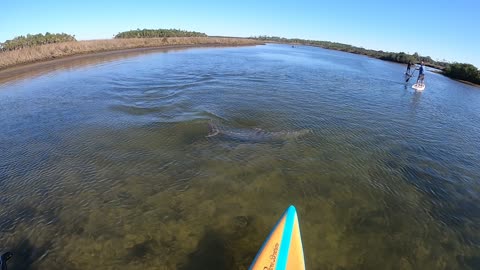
34, 40
461, 71
47, 38
389, 56
158, 33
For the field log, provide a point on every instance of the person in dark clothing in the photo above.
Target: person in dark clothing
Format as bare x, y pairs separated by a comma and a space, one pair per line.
409, 75
408, 68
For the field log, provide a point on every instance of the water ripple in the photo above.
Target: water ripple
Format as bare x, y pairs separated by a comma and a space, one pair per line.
115, 165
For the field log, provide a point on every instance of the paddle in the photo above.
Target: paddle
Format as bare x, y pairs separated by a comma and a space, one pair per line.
410, 75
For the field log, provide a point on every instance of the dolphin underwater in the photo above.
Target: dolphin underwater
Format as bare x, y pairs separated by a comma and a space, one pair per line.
253, 135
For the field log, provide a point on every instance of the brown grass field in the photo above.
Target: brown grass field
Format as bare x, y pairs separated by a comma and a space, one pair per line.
58, 50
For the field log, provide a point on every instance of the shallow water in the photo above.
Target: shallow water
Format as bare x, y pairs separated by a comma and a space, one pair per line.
111, 166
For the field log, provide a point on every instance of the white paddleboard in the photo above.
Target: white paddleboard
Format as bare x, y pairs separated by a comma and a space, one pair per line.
419, 86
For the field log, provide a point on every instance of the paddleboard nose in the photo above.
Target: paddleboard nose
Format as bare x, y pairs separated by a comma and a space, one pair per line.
283, 249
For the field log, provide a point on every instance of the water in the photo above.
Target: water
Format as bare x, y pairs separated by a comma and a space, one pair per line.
110, 165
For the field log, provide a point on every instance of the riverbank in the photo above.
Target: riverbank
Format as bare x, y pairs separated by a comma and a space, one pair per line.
463, 72
82, 60
37, 54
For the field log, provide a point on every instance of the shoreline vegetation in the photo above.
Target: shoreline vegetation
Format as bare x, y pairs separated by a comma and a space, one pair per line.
158, 33
35, 48
30, 49
463, 72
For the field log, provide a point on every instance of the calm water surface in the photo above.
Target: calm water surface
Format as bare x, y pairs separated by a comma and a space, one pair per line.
111, 166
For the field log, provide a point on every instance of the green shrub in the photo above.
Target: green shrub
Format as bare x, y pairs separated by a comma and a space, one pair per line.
158, 33
35, 40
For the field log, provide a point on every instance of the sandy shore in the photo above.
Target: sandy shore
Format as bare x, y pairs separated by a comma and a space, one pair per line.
84, 59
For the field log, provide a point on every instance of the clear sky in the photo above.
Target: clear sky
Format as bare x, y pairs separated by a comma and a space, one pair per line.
442, 29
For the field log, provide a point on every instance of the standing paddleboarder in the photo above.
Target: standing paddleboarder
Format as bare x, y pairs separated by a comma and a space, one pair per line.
421, 74
408, 75
408, 68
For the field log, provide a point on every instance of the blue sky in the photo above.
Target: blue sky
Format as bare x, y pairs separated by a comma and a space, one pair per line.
441, 29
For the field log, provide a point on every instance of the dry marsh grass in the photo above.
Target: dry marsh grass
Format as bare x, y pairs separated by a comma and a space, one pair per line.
58, 50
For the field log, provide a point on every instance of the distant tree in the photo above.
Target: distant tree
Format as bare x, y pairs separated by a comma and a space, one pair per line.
34, 40
158, 33
462, 71
415, 56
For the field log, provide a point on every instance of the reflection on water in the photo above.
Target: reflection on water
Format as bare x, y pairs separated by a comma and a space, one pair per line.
114, 166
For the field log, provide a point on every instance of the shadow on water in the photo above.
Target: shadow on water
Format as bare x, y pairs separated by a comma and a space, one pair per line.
142, 250
212, 253
25, 255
